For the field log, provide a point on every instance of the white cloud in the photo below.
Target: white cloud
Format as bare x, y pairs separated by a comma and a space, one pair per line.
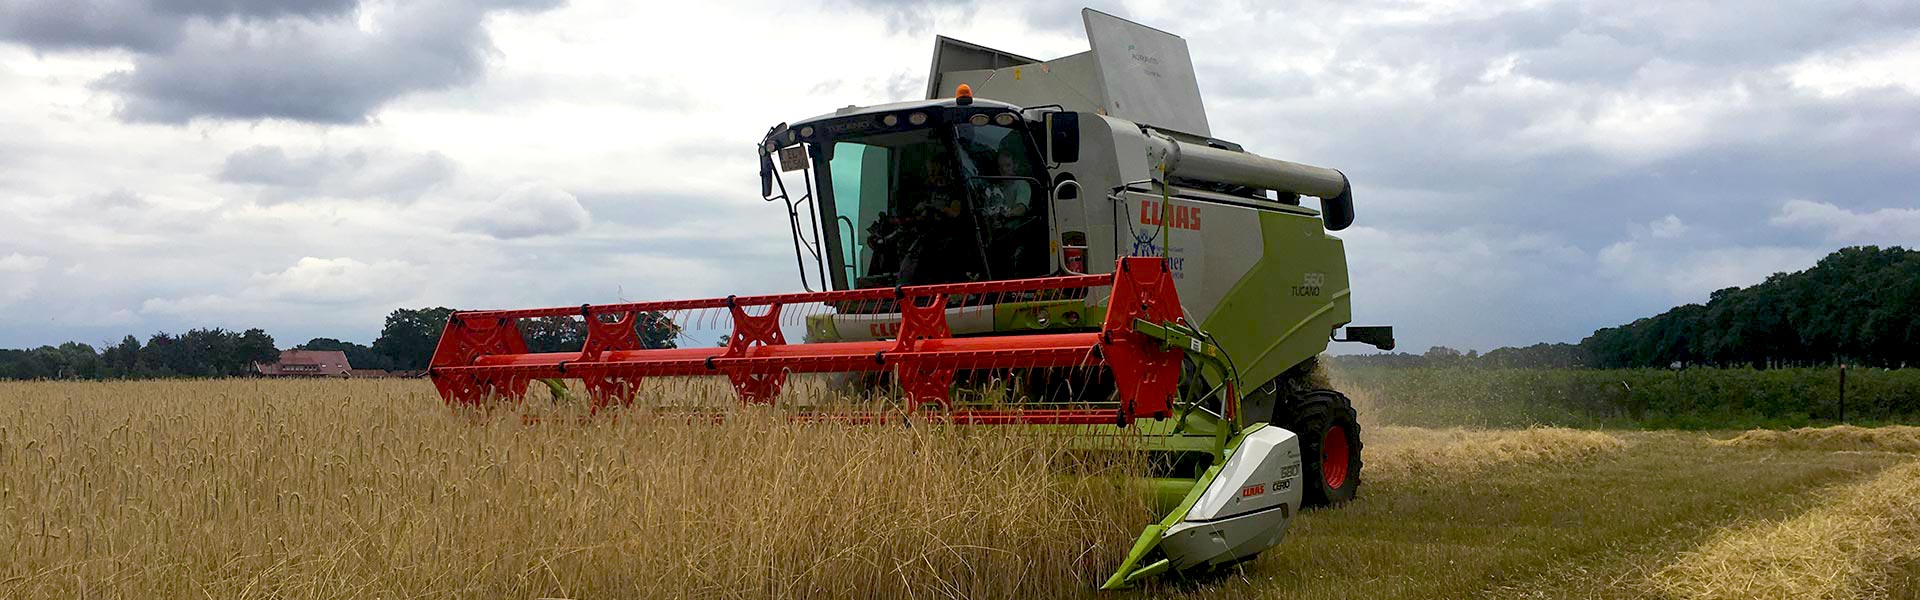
1867, 67
1679, 274
197, 306
19, 274
1893, 226
529, 210
21, 263
1667, 228
327, 291
310, 281
336, 280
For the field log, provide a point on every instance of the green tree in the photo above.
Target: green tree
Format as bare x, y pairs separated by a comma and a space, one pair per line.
163, 356
553, 334
568, 334
78, 361
251, 347
410, 335
657, 330
1858, 305
121, 360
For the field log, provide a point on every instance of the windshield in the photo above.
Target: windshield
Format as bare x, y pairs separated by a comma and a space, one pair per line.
916, 207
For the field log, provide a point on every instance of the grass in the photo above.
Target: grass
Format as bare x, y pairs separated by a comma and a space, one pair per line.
258, 489
1691, 399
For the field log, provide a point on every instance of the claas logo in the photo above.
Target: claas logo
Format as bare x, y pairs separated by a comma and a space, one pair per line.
1181, 217
1253, 490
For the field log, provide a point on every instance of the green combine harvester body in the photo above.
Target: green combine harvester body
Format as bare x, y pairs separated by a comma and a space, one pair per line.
1063, 167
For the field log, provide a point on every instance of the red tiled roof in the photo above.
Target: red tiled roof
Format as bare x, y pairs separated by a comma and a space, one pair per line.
310, 363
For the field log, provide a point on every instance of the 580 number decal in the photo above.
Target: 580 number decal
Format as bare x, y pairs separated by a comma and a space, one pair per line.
1311, 284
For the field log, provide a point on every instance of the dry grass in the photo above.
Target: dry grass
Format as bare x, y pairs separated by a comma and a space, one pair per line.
1896, 438
254, 489
1418, 452
1858, 545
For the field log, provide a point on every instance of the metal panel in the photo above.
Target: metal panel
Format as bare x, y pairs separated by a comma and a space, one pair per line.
951, 55
1147, 74
1068, 81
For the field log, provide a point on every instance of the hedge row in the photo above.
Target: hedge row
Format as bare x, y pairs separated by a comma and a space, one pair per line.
1647, 398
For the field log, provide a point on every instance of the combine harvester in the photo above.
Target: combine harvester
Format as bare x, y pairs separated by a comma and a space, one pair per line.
1075, 253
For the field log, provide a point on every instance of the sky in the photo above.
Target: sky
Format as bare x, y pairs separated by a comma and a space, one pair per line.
1522, 171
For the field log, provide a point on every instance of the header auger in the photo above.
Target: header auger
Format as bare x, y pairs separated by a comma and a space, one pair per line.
1056, 242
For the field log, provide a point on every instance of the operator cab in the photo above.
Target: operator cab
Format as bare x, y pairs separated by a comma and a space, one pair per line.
914, 193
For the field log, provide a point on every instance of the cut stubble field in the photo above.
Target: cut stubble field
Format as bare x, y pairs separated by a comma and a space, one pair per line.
371, 488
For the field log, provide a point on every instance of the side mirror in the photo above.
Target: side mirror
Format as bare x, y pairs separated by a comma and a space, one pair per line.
766, 174
1063, 137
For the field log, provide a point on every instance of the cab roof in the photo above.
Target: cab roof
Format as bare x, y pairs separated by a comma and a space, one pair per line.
854, 111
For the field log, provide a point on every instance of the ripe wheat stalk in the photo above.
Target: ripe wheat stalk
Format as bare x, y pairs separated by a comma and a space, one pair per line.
255, 488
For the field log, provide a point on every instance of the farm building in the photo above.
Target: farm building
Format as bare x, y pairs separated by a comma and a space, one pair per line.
307, 363
377, 373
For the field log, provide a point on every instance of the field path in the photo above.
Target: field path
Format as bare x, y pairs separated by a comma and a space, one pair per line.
1581, 529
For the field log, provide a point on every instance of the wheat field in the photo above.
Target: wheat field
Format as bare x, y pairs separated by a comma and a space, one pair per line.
363, 488
373, 489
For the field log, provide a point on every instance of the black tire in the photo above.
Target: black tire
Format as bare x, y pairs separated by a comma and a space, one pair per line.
1327, 424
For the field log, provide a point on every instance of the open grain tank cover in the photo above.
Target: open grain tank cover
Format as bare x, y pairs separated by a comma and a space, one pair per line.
1134, 72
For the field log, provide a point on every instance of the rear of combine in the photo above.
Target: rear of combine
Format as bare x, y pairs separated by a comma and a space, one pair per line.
1089, 259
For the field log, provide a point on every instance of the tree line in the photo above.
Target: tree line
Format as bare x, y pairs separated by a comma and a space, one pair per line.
406, 343
1859, 305
197, 353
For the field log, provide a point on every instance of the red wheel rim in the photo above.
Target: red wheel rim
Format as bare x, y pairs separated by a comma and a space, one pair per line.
1333, 457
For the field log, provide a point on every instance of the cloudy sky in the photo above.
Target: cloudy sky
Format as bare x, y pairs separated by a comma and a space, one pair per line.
1524, 171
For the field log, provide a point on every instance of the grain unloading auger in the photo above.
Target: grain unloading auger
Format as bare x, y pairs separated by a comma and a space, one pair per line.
969, 273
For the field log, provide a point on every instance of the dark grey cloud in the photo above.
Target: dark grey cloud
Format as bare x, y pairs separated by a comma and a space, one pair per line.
256, 9
282, 59
139, 25
358, 173
322, 72
51, 25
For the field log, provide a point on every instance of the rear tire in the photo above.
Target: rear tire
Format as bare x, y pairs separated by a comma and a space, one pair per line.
1329, 432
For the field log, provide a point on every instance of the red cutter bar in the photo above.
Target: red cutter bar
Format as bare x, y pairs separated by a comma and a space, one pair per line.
482, 355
